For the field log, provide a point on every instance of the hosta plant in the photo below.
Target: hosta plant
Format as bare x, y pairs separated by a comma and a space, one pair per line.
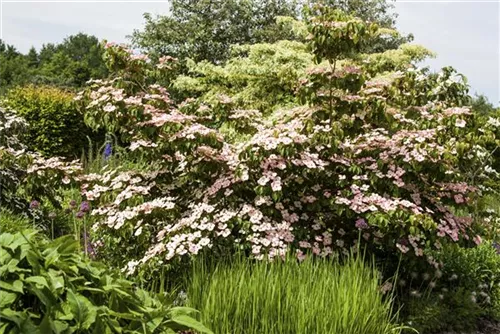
49, 287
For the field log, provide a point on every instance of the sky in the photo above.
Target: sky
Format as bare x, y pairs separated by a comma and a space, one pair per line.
465, 34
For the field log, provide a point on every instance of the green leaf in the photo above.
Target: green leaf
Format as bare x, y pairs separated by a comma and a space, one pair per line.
56, 279
82, 309
4, 256
13, 316
40, 281
45, 325
59, 327
191, 323
16, 286
7, 298
45, 296
6, 239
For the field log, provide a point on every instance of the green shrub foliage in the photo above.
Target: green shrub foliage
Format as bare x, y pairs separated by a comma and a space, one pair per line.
55, 126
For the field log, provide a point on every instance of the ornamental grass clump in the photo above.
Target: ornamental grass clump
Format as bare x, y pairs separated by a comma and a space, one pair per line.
312, 296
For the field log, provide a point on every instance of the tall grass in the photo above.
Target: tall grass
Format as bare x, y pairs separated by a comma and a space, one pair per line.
315, 296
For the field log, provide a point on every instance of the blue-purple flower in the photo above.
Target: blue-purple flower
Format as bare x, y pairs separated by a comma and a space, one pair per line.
108, 150
85, 206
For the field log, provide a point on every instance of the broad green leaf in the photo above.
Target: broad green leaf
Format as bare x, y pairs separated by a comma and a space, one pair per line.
83, 310
40, 281
56, 279
7, 298
45, 325
16, 286
4, 256
13, 316
46, 296
191, 323
59, 327
6, 239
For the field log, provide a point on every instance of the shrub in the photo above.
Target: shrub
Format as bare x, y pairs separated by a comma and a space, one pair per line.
464, 290
438, 312
12, 128
312, 296
55, 126
12, 223
386, 156
47, 287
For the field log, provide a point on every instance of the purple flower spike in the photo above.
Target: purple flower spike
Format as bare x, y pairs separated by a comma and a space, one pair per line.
80, 214
108, 150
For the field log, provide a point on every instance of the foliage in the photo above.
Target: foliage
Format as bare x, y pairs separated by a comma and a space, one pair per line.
386, 156
476, 270
438, 312
12, 223
205, 30
259, 76
11, 131
25, 175
14, 67
47, 287
68, 64
52, 120
462, 291
481, 105
370, 155
322, 296
71, 63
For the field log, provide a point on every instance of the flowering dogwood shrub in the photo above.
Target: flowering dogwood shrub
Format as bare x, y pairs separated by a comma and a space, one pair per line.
371, 158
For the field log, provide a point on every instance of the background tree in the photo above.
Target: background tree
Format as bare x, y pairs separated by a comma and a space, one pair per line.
482, 105
205, 30
69, 64
14, 67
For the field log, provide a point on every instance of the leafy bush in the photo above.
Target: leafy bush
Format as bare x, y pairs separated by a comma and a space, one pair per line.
464, 290
438, 312
47, 287
55, 126
12, 223
386, 156
12, 128
312, 296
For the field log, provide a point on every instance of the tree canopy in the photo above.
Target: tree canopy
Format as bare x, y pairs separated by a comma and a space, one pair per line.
68, 64
205, 30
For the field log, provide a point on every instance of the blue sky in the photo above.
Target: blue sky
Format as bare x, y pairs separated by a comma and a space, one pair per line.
464, 34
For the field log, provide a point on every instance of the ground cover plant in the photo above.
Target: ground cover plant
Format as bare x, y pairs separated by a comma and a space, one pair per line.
48, 287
